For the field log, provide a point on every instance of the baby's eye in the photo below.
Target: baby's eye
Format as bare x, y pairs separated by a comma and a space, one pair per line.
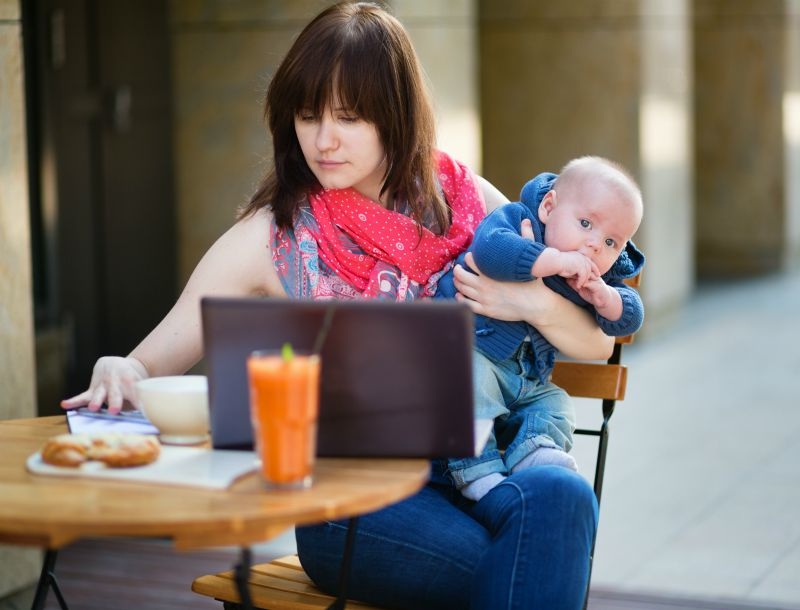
611, 243
585, 223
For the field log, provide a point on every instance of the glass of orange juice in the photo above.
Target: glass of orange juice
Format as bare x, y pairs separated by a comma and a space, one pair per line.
284, 402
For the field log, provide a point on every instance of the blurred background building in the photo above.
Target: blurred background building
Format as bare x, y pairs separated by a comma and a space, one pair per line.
131, 130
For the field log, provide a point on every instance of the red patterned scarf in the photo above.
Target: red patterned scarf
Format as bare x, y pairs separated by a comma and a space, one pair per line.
388, 237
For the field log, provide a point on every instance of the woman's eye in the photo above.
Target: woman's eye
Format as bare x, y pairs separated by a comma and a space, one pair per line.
349, 118
306, 117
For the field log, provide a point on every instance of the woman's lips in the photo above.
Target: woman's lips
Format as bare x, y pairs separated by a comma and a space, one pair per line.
330, 164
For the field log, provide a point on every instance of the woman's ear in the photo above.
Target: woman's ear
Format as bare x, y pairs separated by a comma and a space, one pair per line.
547, 205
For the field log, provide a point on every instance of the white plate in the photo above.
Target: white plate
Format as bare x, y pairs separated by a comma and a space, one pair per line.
189, 466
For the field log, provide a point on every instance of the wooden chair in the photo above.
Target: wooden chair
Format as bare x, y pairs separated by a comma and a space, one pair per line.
283, 585
278, 585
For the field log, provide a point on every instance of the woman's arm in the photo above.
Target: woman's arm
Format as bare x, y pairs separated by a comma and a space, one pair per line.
237, 264
491, 195
571, 329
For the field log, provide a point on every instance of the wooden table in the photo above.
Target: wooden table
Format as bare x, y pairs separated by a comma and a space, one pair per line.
51, 512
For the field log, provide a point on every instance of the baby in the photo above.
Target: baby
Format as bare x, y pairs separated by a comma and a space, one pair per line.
582, 222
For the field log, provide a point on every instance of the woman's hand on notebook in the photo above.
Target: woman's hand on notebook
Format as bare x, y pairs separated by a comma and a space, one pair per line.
113, 383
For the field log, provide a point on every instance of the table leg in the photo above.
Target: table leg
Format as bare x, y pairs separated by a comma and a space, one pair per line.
47, 580
241, 573
344, 574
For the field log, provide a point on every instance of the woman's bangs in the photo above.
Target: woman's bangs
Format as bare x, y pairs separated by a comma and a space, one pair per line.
358, 85
314, 89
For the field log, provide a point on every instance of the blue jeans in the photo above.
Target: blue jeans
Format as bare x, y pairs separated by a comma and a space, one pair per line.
526, 544
528, 414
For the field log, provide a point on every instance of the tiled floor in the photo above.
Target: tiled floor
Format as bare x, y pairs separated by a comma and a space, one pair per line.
702, 491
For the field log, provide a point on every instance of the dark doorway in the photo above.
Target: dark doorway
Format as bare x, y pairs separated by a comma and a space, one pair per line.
102, 204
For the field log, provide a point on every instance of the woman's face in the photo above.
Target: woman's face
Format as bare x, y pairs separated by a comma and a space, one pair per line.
342, 150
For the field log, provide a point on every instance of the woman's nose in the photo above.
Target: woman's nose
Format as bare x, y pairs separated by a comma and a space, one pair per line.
326, 135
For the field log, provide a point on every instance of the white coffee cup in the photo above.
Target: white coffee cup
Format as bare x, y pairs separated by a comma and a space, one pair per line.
178, 406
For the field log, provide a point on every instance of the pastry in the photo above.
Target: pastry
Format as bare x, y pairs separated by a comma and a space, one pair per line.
114, 450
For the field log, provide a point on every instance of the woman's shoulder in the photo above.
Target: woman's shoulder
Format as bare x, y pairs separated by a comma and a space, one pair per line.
251, 231
493, 197
246, 247
253, 221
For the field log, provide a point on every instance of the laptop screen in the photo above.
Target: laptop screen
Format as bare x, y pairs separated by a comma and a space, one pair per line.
396, 377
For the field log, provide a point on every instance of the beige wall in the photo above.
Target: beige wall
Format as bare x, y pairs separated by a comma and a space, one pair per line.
223, 56
18, 567
613, 78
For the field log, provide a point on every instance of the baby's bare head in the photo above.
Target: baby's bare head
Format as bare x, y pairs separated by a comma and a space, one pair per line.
586, 176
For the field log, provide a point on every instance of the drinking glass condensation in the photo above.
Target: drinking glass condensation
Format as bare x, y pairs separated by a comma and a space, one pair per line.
284, 402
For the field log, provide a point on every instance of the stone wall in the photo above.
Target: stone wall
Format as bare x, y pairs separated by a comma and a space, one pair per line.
18, 567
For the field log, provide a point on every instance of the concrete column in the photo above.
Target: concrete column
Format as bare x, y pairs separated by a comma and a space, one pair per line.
746, 105
666, 164
612, 78
18, 567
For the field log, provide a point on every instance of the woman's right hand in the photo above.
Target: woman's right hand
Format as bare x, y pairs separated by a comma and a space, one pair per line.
113, 382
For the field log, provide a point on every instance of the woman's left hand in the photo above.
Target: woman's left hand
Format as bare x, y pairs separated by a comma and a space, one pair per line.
491, 298
570, 328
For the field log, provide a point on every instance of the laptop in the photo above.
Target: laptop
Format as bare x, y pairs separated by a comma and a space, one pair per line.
396, 378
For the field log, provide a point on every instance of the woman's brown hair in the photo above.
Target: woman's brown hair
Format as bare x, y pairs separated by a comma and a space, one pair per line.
359, 55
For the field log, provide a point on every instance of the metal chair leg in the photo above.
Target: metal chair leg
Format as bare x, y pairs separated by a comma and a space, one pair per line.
47, 581
241, 572
599, 475
344, 574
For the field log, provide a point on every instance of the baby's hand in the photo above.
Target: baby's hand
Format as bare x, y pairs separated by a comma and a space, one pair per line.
594, 291
526, 229
578, 268
607, 301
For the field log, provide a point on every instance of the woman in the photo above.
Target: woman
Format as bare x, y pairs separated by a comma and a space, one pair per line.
360, 205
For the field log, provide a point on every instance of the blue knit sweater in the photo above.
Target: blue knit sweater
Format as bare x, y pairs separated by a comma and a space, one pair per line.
503, 254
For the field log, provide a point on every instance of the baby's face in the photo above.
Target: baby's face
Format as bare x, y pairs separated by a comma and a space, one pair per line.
596, 221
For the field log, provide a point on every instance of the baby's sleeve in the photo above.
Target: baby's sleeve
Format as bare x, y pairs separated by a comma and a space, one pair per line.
632, 313
498, 248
